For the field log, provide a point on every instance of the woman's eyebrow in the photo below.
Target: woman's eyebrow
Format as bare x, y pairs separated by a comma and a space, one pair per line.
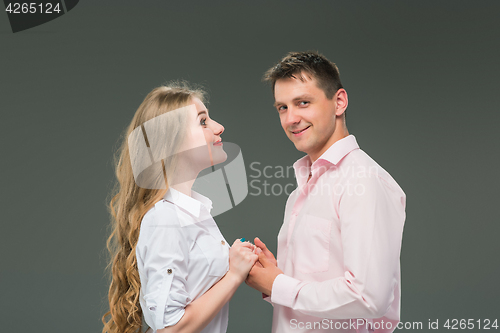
204, 111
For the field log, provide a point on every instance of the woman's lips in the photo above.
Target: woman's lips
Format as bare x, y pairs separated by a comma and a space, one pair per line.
299, 133
218, 143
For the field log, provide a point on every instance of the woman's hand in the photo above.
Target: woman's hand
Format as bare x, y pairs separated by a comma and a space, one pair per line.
242, 257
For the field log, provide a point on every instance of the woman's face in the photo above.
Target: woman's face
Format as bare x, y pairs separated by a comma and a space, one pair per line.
203, 137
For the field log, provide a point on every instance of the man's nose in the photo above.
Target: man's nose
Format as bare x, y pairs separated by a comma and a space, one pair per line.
292, 116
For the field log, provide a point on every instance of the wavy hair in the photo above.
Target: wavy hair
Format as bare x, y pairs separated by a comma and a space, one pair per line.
131, 202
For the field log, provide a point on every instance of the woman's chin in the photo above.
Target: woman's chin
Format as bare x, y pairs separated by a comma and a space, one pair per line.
219, 157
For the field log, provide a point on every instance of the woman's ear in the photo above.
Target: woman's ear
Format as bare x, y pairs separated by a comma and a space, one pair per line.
341, 101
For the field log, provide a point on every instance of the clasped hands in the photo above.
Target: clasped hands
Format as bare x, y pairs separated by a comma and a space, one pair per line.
264, 267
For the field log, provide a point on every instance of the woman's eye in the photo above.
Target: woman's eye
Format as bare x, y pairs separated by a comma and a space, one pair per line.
203, 121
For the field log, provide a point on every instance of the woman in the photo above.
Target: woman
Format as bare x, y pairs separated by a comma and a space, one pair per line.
170, 262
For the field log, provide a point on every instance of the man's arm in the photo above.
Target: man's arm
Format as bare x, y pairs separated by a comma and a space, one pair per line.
371, 229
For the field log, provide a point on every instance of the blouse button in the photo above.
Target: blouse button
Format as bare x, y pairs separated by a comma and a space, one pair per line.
222, 242
169, 271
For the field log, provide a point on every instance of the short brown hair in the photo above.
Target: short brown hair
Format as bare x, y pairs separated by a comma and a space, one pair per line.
317, 65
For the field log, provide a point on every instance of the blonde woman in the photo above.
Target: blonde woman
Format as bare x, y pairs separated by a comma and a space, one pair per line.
170, 264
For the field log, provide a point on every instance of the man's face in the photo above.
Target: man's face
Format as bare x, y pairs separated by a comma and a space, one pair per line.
306, 114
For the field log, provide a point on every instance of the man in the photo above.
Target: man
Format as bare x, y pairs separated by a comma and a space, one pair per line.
337, 265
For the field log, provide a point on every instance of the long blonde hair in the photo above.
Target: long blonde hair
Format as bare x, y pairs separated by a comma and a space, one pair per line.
130, 203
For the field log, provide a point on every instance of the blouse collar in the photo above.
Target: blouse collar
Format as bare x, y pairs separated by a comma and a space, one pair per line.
192, 204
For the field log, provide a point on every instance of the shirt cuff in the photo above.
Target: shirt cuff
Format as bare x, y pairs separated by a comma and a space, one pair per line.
266, 298
285, 290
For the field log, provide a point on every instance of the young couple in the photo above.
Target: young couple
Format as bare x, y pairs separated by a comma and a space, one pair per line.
337, 266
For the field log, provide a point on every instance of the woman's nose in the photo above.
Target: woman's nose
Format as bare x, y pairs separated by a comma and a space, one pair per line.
217, 128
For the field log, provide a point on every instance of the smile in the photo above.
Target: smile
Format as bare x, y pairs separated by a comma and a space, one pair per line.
300, 131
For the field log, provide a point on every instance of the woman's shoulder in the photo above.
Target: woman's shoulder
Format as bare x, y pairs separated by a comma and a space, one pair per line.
162, 213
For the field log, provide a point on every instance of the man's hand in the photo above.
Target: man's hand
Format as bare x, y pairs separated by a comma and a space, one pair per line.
265, 250
264, 272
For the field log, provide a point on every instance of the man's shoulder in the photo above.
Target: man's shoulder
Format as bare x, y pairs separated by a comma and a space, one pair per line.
362, 165
359, 158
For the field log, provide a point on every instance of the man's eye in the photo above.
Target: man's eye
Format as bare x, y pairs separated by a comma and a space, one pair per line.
203, 121
281, 108
303, 103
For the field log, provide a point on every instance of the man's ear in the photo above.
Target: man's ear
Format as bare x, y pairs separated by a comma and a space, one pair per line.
341, 101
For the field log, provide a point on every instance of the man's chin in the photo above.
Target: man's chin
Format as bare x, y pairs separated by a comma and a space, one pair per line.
300, 147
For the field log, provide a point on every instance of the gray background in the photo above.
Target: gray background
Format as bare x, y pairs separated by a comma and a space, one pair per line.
422, 80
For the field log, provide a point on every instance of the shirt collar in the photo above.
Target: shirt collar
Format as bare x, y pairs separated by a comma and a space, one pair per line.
339, 150
333, 155
192, 204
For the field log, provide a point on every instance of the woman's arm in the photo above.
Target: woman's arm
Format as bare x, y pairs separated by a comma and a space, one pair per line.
201, 311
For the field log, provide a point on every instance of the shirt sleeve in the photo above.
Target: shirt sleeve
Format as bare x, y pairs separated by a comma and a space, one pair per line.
371, 221
166, 256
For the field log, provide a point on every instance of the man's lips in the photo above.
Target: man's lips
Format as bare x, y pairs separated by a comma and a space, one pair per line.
298, 132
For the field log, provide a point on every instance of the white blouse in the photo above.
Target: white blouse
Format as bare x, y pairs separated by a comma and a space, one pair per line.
180, 255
